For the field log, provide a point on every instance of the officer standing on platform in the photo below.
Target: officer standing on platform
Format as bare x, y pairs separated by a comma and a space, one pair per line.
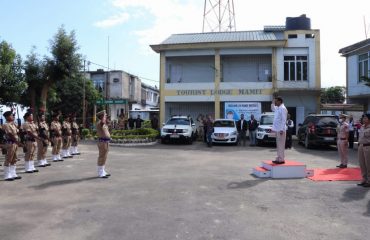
43, 142
364, 151
103, 143
67, 137
75, 135
30, 128
279, 127
11, 145
342, 140
56, 137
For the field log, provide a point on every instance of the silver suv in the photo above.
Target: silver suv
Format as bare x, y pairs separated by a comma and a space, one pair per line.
264, 130
178, 128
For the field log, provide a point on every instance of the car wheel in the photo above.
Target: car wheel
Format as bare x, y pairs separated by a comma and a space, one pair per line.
163, 141
190, 141
259, 142
307, 142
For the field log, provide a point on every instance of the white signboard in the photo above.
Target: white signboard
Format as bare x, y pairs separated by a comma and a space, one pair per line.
233, 110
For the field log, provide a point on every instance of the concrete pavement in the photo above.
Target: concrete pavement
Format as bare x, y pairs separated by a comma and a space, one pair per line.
182, 192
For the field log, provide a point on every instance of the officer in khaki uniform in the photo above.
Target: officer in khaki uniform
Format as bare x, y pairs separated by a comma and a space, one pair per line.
56, 137
11, 145
75, 136
67, 137
364, 151
30, 128
43, 142
103, 143
342, 140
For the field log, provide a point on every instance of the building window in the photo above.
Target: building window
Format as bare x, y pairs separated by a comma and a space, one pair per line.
292, 36
295, 68
99, 85
363, 66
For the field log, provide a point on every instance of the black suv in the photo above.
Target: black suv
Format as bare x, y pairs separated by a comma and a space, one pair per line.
318, 129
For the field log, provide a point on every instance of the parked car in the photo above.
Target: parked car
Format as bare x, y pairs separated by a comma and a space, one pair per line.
178, 128
318, 129
264, 130
225, 131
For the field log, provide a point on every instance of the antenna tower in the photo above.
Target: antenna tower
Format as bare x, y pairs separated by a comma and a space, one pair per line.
219, 16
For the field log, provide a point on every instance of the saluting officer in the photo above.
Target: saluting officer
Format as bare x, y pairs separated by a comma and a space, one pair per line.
30, 128
67, 137
103, 143
342, 140
56, 137
364, 151
43, 141
11, 145
75, 136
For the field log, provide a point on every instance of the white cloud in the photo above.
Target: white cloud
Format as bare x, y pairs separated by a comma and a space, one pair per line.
113, 20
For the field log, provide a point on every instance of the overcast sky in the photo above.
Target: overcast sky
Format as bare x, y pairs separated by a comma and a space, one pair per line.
132, 25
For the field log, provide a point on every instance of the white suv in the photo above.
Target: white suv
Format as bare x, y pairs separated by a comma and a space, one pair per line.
264, 130
178, 128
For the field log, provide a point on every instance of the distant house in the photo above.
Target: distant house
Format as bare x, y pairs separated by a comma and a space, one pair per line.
122, 92
357, 66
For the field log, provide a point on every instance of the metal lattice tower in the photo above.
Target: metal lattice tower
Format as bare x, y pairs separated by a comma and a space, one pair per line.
219, 16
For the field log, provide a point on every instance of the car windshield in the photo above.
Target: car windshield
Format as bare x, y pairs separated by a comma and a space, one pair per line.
224, 124
267, 120
327, 121
178, 121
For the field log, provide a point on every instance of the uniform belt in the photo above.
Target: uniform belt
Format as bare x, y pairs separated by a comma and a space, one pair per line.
365, 144
343, 139
104, 139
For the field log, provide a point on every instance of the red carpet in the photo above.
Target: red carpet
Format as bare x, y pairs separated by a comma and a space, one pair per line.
337, 174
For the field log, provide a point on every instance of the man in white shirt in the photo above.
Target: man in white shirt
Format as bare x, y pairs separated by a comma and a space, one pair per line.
279, 126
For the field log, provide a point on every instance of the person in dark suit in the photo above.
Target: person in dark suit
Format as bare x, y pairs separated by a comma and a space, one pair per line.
252, 126
242, 126
138, 122
131, 123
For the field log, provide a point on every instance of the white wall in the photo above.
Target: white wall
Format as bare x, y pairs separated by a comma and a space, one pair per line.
354, 86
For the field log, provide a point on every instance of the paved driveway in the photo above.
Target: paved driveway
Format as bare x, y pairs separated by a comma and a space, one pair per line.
167, 192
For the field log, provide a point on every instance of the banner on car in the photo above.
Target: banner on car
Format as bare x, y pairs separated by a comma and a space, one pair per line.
233, 110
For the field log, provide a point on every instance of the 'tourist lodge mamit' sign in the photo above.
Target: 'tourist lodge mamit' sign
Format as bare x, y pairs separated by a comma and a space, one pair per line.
210, 92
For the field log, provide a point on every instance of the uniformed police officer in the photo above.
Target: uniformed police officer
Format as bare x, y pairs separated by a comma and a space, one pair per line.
11, 145
342, 140
364, 151
75, 136
103, 143
56, 137
30, 128
67, 137
43, 142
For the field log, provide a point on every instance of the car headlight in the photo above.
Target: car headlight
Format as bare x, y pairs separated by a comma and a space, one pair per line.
165, 130
260, 129
233, 133
185, 130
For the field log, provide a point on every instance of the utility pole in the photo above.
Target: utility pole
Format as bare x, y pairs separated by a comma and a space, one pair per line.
219, 16
83, 98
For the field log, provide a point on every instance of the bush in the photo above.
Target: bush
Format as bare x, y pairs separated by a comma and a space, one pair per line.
84, 133
141, 133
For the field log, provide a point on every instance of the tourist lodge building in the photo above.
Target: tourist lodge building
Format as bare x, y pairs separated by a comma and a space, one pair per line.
201, 72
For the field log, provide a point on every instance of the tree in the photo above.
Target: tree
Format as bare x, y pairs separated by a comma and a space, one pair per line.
69, 97
63, 65
34, 69
333, 95
12, 83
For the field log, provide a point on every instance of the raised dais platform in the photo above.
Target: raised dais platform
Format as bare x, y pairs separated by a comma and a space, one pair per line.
290, 169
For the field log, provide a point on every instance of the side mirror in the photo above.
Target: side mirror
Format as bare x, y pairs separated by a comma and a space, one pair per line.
163, 124
193, 124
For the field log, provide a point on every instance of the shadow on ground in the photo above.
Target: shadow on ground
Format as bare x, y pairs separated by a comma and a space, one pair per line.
61, 182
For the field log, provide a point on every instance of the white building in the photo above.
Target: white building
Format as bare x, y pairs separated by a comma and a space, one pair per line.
357, 66
201, 72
